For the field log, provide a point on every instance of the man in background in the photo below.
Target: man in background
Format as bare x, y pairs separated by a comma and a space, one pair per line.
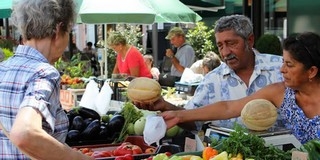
185, 55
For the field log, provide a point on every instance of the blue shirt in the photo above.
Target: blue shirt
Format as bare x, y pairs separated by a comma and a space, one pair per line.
302, 127
28, 80
186, 56
223, 83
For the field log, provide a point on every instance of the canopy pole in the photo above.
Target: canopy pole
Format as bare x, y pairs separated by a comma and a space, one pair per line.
105, 51
155, 43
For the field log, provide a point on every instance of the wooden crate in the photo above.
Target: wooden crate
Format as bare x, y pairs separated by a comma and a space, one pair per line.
68, 97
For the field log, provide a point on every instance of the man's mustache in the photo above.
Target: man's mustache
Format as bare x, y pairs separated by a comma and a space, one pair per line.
230, 56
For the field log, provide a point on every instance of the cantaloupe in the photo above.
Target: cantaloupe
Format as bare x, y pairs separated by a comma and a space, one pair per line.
259, 114
144, 90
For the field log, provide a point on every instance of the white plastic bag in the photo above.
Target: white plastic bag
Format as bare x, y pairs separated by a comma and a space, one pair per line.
102, 102
89, 95
154, 130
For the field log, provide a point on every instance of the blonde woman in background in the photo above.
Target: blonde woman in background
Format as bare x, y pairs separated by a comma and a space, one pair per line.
129, 60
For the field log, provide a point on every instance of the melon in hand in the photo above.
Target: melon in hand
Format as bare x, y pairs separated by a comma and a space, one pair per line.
259, 114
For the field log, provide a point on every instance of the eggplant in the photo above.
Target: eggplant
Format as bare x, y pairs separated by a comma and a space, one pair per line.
116, 123
73, 135
88, 113
78, 124
87, 121
105, 133
71, 114
92, 131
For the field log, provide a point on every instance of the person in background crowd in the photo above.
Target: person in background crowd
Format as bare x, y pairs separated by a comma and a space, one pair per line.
90, 53
297, 97
148, 60
185, 54
243, 71
30, 108
209, 62
129, 60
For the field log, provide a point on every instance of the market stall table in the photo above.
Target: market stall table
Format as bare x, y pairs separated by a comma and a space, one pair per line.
277, 136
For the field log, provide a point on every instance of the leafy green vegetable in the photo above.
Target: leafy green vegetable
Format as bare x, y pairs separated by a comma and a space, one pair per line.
251, 146
131, 114
313, 149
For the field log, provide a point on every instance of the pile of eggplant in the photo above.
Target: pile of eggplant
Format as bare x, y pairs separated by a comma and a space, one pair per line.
86, 127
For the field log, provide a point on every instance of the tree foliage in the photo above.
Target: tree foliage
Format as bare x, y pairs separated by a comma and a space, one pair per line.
201, 38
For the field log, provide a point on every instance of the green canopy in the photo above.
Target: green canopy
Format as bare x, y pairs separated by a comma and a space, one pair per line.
78, 5
136, 11
116, 11
172, 11
5, 8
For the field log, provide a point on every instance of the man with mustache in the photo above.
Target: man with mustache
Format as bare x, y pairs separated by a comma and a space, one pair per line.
243, 72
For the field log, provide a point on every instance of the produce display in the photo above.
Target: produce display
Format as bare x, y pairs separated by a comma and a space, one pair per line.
249, 146
86, 125
73, 83
259, 114
144, 90
123, 150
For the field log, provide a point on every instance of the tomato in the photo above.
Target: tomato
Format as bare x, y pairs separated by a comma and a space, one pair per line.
100, 154
89, 153
127, 149
150, 150
168, 153
85, 150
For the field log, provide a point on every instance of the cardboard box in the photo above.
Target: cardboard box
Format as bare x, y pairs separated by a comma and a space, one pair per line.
68, 97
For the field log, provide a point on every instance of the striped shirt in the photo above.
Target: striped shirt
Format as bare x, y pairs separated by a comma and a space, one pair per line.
224, 84
28, 80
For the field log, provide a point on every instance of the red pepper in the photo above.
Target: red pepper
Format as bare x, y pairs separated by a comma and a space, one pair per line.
125, 157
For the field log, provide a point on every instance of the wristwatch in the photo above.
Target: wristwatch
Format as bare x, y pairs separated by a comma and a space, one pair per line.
171, 56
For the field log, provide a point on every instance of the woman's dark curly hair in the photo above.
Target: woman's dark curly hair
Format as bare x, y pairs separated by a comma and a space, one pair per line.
305, 48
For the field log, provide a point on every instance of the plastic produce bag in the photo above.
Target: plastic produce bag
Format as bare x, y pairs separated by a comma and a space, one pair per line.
154, 130
102, 102
89, 95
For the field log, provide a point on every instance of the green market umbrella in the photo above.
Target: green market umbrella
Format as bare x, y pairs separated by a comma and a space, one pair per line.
78, 5
5, 8
119, 11
172, 11
136, 11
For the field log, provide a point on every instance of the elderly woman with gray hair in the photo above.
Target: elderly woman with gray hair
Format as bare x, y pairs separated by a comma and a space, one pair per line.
30, 107
209, 62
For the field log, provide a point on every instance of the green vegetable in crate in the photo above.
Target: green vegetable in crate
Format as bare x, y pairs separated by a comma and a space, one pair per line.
131, 114
312, 147
139, 126
173, 131
250, 146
